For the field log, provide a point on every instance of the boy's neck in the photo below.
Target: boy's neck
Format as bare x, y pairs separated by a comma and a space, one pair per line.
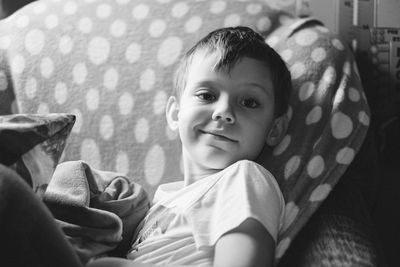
194, 172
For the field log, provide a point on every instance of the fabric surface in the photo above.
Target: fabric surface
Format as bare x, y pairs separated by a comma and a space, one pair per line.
29, 234
32, 145
97, 210
111, 64
185, 223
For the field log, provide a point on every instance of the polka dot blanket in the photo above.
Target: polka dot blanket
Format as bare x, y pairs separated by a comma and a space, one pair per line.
111, 63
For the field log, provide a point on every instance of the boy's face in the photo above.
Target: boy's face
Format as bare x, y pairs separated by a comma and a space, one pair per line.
224, 117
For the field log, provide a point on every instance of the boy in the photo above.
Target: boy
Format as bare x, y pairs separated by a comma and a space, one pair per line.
230, 101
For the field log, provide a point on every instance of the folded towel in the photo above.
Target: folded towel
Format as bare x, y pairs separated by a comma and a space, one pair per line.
97, 210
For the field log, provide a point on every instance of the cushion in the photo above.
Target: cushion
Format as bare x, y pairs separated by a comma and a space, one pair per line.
111, 64
32, 145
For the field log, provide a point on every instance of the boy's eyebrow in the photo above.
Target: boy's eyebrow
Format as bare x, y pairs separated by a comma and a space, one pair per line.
258, 86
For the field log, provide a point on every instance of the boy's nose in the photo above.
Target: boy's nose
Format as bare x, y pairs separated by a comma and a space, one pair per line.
224, 113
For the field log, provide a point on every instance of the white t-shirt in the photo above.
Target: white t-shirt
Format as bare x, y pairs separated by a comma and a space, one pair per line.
185, 223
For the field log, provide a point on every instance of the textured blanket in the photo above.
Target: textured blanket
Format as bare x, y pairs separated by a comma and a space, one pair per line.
97, 210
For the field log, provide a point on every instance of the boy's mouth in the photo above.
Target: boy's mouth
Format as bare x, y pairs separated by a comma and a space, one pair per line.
219, 136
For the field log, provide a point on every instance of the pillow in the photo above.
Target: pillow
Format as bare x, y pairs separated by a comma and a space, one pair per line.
32, 145
111, 63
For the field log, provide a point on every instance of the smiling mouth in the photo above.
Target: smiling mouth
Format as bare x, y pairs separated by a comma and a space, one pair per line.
219, 136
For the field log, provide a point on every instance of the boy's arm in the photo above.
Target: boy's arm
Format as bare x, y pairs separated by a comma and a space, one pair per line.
249, 244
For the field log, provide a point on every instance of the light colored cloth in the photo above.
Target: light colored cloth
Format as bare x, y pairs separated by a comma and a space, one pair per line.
185, 223
97, 210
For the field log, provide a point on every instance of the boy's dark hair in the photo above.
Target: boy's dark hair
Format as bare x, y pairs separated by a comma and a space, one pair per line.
233, 44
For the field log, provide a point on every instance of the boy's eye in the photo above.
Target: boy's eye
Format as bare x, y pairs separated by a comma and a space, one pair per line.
250, 103
205, 96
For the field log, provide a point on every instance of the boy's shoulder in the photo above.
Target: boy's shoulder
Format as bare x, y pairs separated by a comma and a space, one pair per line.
247, 171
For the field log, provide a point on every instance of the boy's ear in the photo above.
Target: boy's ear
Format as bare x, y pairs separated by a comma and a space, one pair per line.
278, 130
171, 112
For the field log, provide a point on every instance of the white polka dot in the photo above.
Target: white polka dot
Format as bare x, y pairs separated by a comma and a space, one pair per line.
297, 70
355, 68
106, 127
179, 10
5, 42
289, 113
318, 54
46, 67
31, 87
345, 155
287, 54
34, 41
253, 8
322, 29
317, 142
272, 40
43, 108
65, 44
193, 24
70, 8
291, 212
17, 64
51, 21
78, 121
363, 118
122, 162
159, 102
140, 12
22, 21
282, 146
347, 68
118, 28
337, 44
171, 135
111, 78
92, 99
306, 37
79, 73
339, 96
341, 125
169, 51
282, 247
316, 166
39, 8
263, 24
98, 50
133, 52
60, 93
103, 11
3, 81
217, 7
306, 90
328, 78
232, 20
154, 165
147, 80
125, 103
320, 192
90, 153
291, 166
142, 130
157, 28
85, 25
314, 115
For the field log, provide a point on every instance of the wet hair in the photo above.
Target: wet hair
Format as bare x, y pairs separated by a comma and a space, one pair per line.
233, 44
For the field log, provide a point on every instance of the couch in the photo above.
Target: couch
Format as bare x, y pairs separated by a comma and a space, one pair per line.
111, 63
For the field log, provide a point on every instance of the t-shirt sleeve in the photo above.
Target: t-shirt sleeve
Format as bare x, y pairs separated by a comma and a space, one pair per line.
245, 190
